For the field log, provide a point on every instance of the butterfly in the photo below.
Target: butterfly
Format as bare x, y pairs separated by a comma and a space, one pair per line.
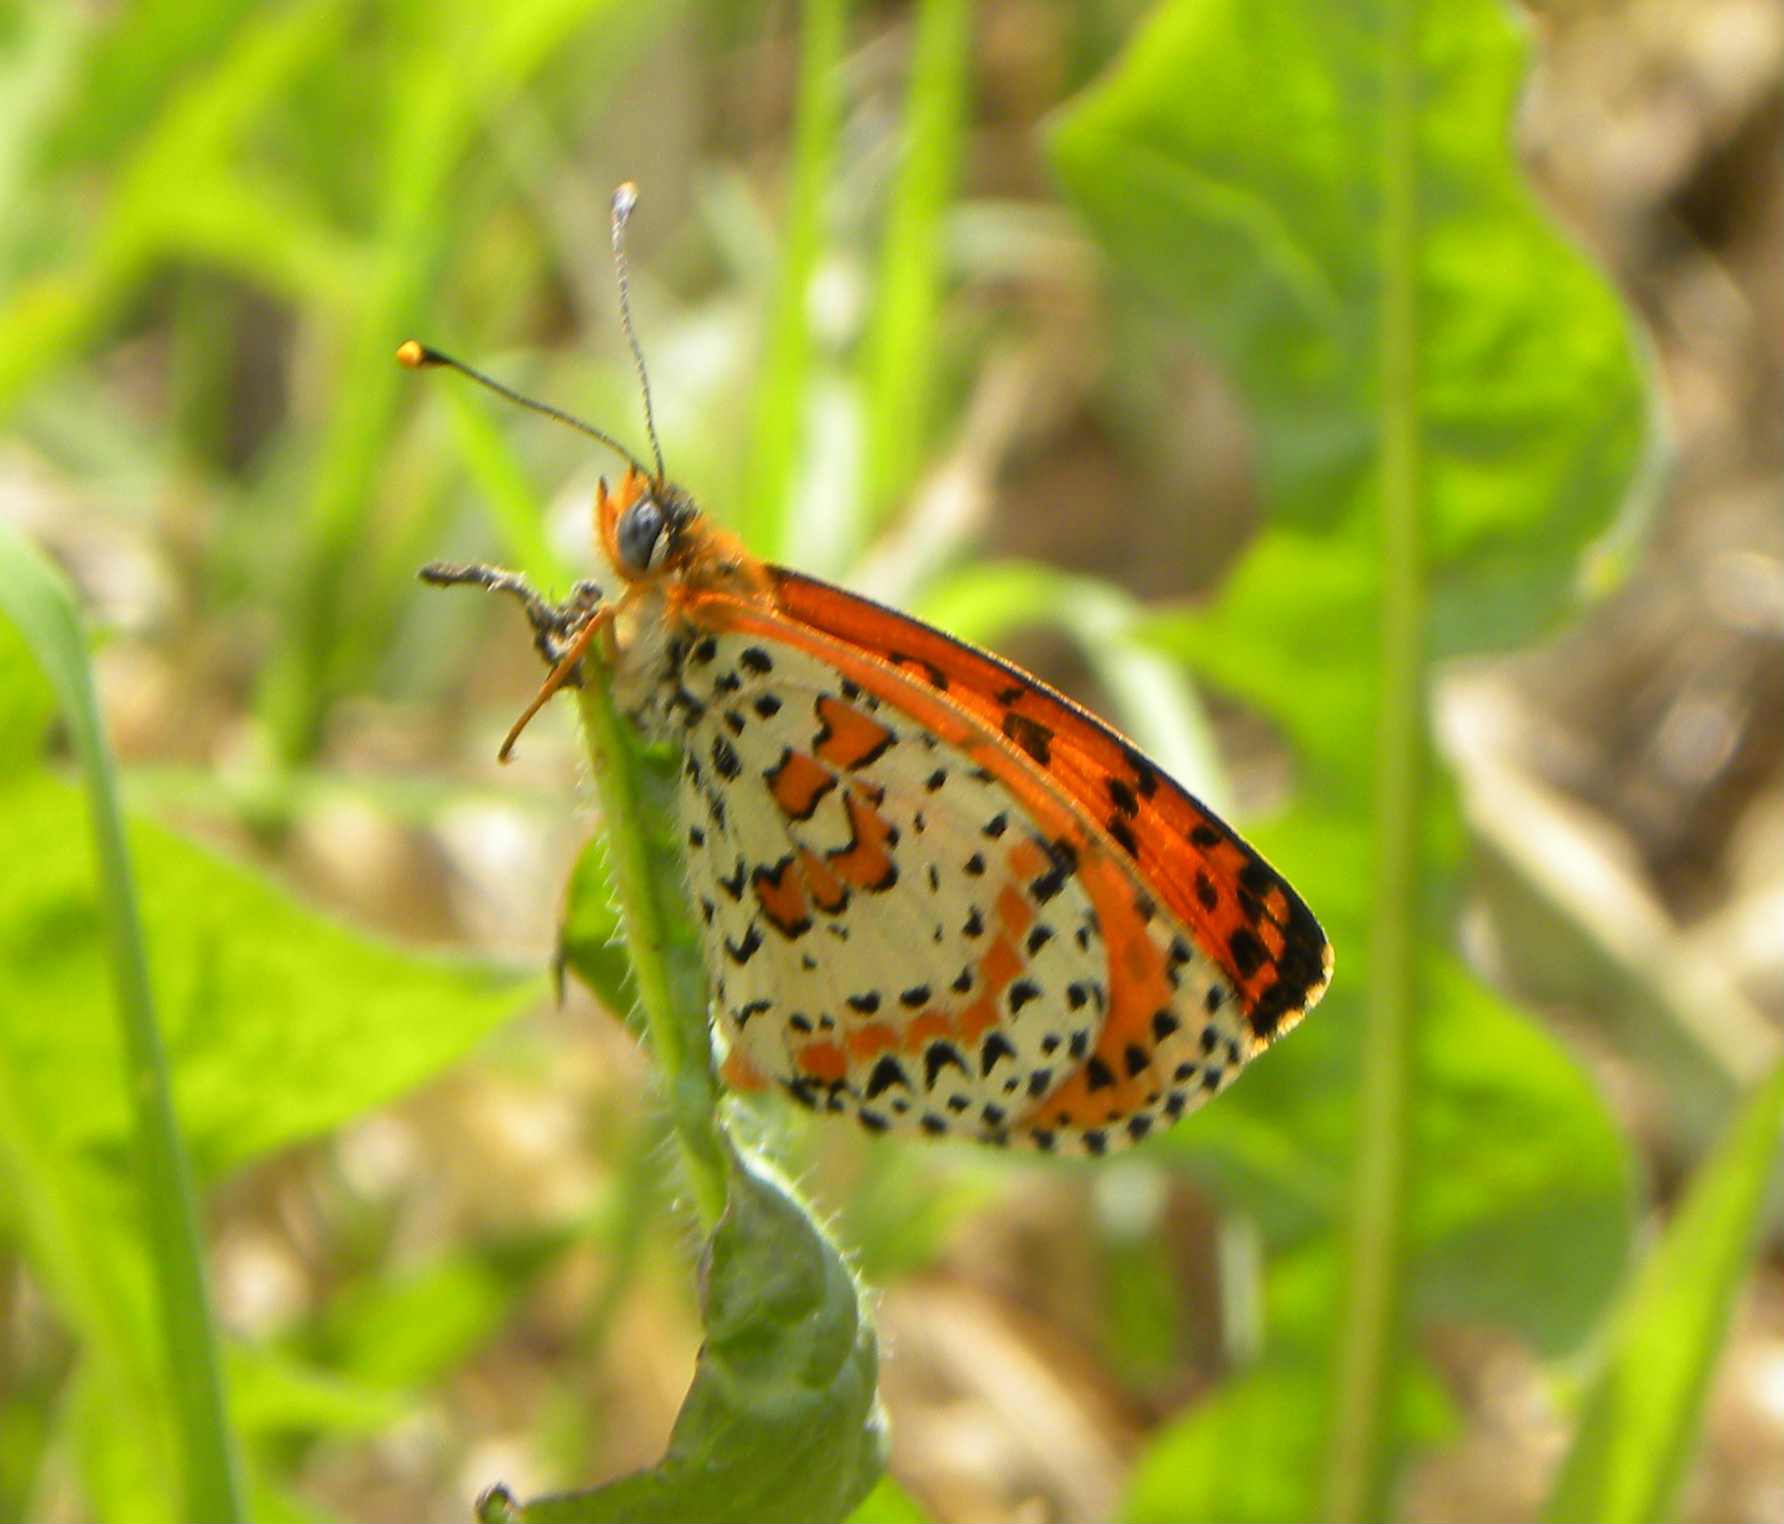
935, 894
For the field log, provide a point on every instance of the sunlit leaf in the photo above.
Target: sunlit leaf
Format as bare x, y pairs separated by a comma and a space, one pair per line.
1644, 1410
279, 1023
783, 1419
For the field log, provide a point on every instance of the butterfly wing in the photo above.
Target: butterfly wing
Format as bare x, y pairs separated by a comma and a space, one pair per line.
875, 941
911, 917
1240, 909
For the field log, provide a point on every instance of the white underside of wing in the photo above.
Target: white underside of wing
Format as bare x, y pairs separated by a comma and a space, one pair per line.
878, 1008
894, 954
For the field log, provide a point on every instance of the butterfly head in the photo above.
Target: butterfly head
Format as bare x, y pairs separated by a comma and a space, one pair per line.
647, 527
651, 534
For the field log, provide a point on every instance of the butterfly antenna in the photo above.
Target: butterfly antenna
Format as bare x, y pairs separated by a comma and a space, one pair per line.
624, 199
418, 356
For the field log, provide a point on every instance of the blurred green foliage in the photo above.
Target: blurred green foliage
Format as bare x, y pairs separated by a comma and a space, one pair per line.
1449, 412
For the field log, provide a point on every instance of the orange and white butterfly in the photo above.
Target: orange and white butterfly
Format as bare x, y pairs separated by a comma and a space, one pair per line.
936, 895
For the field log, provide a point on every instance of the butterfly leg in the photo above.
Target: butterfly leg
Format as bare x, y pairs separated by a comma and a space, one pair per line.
555, 626
563, 672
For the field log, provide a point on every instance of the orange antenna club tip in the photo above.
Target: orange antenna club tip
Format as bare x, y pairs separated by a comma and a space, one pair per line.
414, 354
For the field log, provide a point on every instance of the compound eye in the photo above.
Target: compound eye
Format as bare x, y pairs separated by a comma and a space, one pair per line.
640, 535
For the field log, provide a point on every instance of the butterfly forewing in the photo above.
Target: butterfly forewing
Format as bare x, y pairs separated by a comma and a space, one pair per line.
1237, 906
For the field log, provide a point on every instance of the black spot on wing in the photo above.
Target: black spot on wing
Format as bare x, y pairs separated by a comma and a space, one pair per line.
1249, 954
1300, 970
938, 1056
886, 1073
1029, 734
1144, 773
993, 1050
725, 761
937, 678
1257, 877
1064, 859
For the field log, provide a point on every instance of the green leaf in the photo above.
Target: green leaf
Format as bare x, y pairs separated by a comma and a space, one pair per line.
1251, 1452
888, 1503
279, 1024
1252, 1449
1531, 1238
410, 1329
273, 1393
1643, 1411
590, 938
1448, 412
1258, 202
782, 1421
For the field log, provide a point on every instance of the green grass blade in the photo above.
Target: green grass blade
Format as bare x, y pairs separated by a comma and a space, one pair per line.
37, 599
902, 342
1373, 1315
1643, 1412
783, 390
